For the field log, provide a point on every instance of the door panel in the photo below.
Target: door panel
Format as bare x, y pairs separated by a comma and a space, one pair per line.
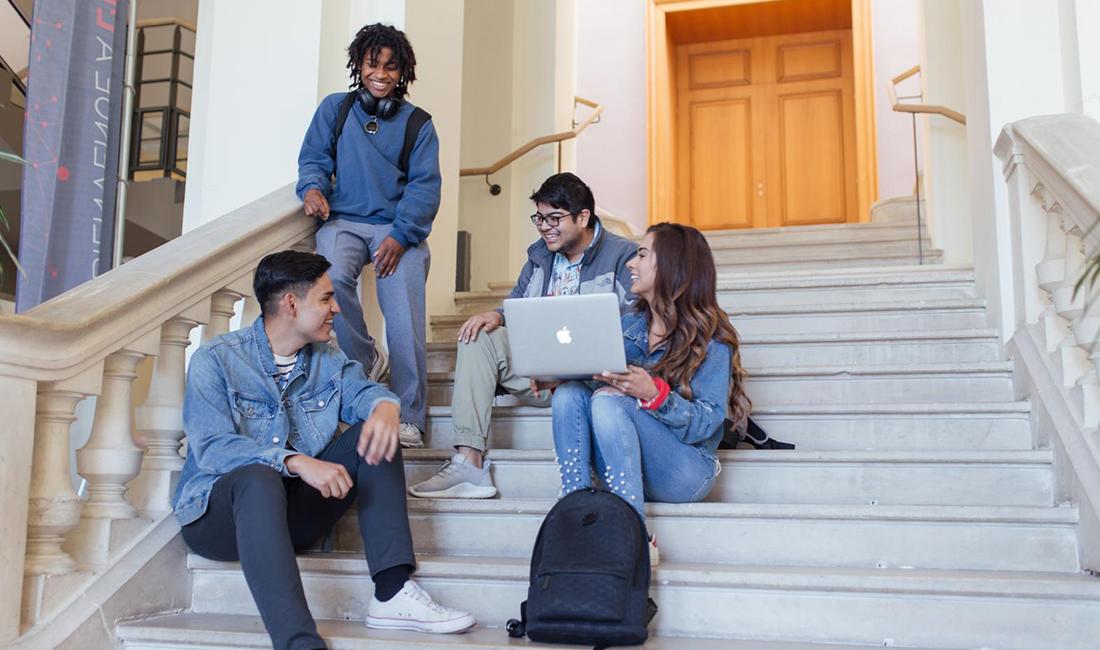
766, 133
811, 158
721, 164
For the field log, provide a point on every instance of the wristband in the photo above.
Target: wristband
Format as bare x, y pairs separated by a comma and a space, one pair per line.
663, 389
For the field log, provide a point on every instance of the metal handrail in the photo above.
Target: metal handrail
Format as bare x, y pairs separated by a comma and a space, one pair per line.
558, 138
936, 109
913, 110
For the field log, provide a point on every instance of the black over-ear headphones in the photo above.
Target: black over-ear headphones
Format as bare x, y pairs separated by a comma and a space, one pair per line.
383, 108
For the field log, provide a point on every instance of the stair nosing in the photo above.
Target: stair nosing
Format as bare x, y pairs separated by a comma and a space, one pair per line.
1002, 457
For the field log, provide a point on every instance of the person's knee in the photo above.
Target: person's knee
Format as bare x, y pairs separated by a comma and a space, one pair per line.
569, 396
256, 483
610, 411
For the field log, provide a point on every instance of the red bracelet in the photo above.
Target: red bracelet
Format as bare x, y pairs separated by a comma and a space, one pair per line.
663, 389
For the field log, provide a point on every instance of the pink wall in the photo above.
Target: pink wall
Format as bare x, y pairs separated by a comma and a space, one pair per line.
894, 31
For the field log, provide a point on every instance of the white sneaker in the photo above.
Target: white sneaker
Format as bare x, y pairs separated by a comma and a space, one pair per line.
413, 609
654, 554
457, 479
410, 435
380, 367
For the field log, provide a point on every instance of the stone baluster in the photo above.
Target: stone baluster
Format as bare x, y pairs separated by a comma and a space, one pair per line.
110, 459
54, 507
1070, 306
1050, 273
160, 419
222, 307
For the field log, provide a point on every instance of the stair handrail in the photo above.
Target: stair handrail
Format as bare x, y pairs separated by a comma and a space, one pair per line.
62, 336
902, 107
1052, 180
578, 128
167, 21
89, 341
913, 110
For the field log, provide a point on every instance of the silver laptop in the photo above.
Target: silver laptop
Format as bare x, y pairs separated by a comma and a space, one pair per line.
565, 337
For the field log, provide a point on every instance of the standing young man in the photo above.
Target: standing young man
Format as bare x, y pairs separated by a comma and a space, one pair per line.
574, 254
384, 154
267, 473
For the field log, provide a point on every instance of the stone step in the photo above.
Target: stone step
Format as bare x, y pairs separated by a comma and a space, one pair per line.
951, 314
824, 253
971, 382
961, 478
796, 235
948, 426
225, 631
888, 607
914, 276
846, 348
923, 537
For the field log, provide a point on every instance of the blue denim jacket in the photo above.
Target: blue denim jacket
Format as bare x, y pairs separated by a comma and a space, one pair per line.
697, 421
235, 415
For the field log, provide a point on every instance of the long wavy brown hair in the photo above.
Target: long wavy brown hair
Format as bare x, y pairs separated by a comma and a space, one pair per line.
685, 299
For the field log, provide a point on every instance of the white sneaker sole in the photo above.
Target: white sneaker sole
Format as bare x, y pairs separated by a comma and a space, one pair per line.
411, 444
460, 491
453, 626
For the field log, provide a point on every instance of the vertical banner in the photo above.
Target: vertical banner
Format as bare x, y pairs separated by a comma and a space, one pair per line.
71, 143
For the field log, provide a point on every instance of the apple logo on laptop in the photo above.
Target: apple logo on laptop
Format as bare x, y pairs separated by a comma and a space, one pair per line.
564, 337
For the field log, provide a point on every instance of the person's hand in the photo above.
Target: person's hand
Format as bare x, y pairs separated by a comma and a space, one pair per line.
635, 382
387, 256
315, 204
330, 479
539, 386
378, 436
487, 321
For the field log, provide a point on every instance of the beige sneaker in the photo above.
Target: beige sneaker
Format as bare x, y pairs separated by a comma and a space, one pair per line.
410, 435
413, 609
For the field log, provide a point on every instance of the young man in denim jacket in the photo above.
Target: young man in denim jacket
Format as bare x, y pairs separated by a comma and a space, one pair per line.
268, 473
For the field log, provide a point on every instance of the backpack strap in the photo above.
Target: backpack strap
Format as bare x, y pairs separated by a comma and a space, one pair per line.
338, 128
412, 129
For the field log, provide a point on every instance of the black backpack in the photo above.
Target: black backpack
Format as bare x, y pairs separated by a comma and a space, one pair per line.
412, 129
589, 575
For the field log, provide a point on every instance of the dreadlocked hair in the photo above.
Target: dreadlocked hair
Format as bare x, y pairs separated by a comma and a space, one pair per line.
685, 299
369, 41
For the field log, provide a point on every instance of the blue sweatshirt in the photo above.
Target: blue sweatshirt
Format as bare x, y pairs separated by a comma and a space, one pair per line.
369, 185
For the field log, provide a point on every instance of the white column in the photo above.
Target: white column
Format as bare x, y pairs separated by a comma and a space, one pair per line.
17, 403
54, 507
1013, 64
160, 420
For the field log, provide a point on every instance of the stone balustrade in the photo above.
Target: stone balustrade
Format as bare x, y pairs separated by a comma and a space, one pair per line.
90, 341
1053, 180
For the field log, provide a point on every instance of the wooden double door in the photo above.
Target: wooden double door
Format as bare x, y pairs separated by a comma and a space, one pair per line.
766, 131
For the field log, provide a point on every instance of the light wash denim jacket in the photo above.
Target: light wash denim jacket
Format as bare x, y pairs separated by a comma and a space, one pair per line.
235, 415
697, 421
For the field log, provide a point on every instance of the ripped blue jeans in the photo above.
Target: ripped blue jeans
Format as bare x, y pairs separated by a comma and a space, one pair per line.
630, 453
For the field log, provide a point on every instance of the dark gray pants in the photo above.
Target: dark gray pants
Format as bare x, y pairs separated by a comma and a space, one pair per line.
349, 246
257, 516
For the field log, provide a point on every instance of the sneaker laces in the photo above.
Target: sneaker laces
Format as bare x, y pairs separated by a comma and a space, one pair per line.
421, 596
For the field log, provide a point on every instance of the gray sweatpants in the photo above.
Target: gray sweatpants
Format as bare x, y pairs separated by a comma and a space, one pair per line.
349, 246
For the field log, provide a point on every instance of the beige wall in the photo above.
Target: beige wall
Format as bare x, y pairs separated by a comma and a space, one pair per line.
610, 65
487, 137
946, 186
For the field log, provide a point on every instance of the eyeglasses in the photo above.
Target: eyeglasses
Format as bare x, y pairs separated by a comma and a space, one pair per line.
553, 219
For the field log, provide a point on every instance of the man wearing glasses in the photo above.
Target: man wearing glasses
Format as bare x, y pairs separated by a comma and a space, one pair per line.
574, 254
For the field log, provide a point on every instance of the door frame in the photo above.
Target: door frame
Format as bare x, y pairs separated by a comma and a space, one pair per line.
661, 109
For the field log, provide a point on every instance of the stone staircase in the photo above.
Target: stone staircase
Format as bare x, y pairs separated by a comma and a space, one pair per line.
920, 509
